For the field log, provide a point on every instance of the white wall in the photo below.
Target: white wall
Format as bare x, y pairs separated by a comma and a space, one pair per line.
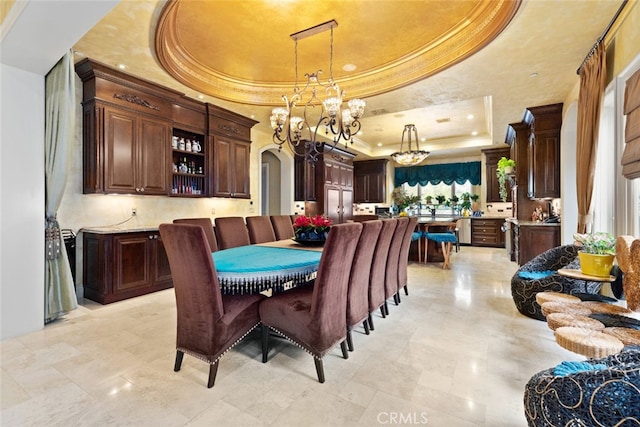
568, 191
21, 202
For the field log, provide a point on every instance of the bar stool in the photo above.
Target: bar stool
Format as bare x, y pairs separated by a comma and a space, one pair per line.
446, 240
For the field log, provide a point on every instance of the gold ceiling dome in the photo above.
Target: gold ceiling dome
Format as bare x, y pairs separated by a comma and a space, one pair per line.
241, 51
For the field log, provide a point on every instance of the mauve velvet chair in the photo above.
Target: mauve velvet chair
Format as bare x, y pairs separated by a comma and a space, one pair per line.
391, 273
403, 259
209, 324
314, 317
282, 226
207, 225
378, 268
358, 293
231, 232
260, 229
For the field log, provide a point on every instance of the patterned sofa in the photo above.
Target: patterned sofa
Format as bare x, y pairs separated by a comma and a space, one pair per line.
538, 275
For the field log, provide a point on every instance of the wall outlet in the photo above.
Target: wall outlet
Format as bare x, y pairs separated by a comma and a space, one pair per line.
134, 211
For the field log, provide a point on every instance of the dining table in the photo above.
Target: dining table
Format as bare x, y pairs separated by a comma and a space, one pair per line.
277, 266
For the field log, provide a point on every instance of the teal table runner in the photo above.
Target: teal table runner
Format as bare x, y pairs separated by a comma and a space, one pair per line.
253, 269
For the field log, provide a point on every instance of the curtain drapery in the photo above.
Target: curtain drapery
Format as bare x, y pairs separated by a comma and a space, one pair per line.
631, 156
435, 174
592, 85
60, 296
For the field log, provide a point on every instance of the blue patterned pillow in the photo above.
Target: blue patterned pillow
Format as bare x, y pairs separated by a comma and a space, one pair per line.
536, 275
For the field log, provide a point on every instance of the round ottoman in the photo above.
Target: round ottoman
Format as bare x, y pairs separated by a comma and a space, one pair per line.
557, 320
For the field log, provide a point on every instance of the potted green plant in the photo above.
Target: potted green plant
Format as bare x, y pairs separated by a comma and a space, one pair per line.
597, 252
505, 167
440, 199
465, 204
428, 199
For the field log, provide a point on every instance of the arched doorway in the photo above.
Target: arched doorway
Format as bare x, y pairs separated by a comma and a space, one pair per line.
276, 182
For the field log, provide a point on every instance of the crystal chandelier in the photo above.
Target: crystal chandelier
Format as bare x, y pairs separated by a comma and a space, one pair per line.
409, 157
339, 122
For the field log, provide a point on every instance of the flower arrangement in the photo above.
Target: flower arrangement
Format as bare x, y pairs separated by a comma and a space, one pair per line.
311, 228
598, 243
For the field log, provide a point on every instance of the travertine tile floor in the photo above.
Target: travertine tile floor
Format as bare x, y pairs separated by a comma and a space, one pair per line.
455, 352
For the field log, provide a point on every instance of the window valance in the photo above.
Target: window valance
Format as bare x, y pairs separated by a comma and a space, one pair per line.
435, 174
631, 156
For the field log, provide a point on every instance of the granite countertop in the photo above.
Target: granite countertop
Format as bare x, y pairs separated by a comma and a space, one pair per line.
524, 223
114, 230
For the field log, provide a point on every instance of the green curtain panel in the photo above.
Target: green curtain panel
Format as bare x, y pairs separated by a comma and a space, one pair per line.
435, 174
60, 295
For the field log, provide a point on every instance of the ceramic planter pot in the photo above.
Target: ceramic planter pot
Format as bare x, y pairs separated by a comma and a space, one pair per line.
595, 264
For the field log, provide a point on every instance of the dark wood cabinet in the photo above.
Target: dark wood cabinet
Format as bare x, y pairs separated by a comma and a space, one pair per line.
544, 152
230, 139
491, 166
126, 132
370, 181
532, 240
118, 266
326, 185
487, 232
128, 126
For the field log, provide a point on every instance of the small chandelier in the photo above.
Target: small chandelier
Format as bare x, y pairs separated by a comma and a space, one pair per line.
339, 123
409, 157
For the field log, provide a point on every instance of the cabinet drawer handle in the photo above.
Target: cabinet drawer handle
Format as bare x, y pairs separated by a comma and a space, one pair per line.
150, 237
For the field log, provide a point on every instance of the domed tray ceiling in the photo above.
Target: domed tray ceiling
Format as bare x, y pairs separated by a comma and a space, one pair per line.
241, 51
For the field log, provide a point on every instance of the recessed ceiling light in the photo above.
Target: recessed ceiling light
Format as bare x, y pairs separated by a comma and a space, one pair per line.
474, 133
379, 144
423, 139
349, 67
532, 75
470, 116
360, 133
122, 66
200, 96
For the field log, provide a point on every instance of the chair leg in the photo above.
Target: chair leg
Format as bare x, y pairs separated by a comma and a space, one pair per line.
178, 364
213, 370
343, 347
370, 320
265, 343
382, 311
406, 290
319, 369
349, 340
396, 298
386, 308
365, 325
446, 252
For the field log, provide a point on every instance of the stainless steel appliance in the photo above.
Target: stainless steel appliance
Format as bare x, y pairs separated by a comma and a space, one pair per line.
506, 229
464, 231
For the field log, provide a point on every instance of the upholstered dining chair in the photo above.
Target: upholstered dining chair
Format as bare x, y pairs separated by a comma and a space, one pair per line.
403, 258
231, 232
391, 284
378, 267
209, 323
358, 293
282, 226
314, 317
260, 229
207, 225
